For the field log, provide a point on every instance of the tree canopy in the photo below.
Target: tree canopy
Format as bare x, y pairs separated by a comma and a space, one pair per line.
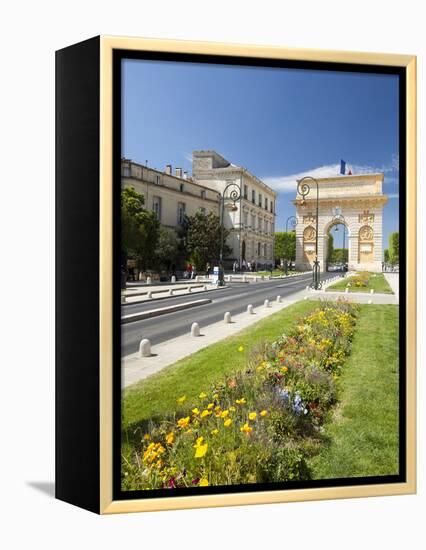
285, 245
140, 229
394, 247
201, 235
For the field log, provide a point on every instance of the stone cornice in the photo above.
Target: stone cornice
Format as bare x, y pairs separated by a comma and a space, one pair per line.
357, 199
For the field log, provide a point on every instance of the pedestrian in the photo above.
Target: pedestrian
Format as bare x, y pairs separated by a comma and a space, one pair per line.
244, 265
234, 266
248, 266
208, 269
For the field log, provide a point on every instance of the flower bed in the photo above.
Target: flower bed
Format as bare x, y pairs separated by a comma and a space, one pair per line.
257, 426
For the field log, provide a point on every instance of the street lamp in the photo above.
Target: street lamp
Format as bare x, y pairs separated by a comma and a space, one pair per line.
303, 189
293, 222
232, 193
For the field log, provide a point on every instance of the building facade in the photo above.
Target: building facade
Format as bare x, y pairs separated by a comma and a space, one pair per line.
251, 223
359, 199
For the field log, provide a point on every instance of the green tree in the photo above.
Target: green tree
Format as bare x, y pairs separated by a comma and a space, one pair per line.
394, 247
168, 248
285, 245
330, 249
201, 234
386, 256
140, 229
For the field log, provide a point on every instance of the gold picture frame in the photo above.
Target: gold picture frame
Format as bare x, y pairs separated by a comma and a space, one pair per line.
107, 45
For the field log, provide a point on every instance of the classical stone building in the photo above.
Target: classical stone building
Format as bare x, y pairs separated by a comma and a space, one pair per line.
252, 222
360, 201
173, 195
170, 196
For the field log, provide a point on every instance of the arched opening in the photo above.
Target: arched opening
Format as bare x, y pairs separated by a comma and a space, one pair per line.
337, 247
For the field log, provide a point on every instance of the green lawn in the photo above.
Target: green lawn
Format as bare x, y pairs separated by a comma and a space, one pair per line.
157, 395
363, 432
377, 282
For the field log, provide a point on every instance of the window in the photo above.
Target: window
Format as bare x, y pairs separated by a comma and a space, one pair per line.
272, 206
266, 226
258, 249
157, 180
266, 203
203, 194
181, 212
245, 191
181, 187
253, 221
260, 224
253, 196
265, 250
245, 218
260, 199
126, 171
156, 207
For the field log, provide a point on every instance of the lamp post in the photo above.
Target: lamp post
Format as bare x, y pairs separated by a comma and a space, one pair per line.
303, 189
232, 193
293, 222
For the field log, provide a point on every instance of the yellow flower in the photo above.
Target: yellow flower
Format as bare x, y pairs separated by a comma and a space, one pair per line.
181, 399
170, 438
214, 432
205, 413
183, 422
263, 413
198, 442
147, 437
224, 414
232, 409
210, 406
227, 423
252, 416
284, 369
204, 482
215, 397
201, 450
241, 348
189, 431
196, 411
202, 395
246, 429
240, 401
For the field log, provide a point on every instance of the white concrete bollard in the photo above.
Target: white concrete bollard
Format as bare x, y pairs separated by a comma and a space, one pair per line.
148, 280
123, 299
372, 291
227, 317
250, 309
307, 288
173, 278
346, 290
266, 303
170, 292
244, 278
195, 329
189, 289
306, 298
370, 301
230, 279
278, 299
149, 295
205, 287
255, 279
145, 348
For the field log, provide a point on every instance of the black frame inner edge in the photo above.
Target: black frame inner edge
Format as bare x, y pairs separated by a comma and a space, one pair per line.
118, 57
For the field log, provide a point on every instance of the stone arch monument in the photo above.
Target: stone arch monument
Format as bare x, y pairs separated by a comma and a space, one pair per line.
360, 201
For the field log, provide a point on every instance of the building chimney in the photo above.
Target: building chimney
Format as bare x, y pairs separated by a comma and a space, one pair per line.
178, 172
169, 169
185, 175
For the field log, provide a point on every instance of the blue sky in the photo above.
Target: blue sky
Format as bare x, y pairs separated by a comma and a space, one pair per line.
280, 124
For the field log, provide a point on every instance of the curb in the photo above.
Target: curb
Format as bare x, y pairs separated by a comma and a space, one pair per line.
162, 311
124, 304
143, 293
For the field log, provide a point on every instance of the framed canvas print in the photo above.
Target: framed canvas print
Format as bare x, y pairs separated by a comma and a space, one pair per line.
235, 274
